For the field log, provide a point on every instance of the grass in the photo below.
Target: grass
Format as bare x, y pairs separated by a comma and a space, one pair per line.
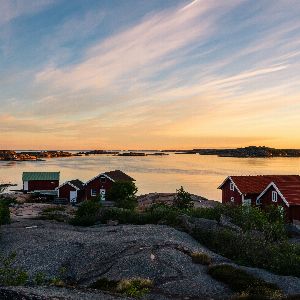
133, 287
201, 258
246, 285
53, 209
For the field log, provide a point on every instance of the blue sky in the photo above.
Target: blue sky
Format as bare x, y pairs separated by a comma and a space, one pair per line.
149, 74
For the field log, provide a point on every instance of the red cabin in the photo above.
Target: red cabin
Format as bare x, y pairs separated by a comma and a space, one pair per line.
71, 190
40, 181
284, 193
102, 183
264, 190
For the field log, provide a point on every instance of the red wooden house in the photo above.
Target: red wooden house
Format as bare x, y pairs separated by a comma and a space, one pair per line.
71, 190
264, 190
102, 183
40, 181
285, 193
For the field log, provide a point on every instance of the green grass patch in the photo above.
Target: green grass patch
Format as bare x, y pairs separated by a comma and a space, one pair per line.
201, 258
246, 285
133, 287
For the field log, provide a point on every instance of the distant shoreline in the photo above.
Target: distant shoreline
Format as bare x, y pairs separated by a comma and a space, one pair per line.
246, 152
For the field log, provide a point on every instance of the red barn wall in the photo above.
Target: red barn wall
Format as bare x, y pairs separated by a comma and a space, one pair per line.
97, 185
294, 212
227, 194
64, 191
49, 185
266, 200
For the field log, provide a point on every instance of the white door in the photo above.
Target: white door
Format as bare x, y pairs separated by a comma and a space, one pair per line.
73, 196
246, 202
25, 185
102, 194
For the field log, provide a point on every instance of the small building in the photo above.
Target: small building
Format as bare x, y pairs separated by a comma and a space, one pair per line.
244, 190
102, 183
41, 182
72, 191
283, 193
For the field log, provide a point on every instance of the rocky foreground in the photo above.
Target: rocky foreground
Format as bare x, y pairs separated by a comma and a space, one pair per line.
157, 252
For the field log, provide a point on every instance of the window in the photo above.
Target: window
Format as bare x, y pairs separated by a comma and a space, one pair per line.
232, 199
258, 201
93, 192
231, 186
274, 196
102, 179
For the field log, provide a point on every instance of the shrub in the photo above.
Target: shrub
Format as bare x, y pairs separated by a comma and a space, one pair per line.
87, 213
4, 214
183, 199
105, 284
278, 257
10, 275
123, 193
244, 283
53, 209
40, 279
201, 258
135, 287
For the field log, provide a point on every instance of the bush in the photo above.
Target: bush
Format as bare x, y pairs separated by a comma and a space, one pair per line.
246, 249
183, 199
201, 258
135, 287
105, 284
245, 284
4, 214
87, 213
10, 275
123, 193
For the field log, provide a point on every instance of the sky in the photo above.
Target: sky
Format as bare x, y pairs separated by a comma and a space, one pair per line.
140, 74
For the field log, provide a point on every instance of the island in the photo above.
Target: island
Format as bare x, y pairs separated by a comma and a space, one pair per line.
250, 151
10, 155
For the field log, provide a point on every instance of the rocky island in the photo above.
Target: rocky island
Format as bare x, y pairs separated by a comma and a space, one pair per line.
250, 151
10, 155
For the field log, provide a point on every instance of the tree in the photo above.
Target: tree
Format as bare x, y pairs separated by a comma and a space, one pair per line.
123, 193
182, 199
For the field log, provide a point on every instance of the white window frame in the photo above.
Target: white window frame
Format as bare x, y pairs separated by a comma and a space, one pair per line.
274, 196
232, 186
258, 201
232, 199
93, 194
102, 179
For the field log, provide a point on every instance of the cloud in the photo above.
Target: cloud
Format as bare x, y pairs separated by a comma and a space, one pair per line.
12, 9
136, 48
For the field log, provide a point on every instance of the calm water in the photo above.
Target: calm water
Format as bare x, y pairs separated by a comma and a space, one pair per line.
196, 173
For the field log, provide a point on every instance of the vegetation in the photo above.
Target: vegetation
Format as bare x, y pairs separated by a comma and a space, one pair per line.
248, 286
183, 199
87, 213
54, 209
134, 287
4, 214
263, 241
279, 257
201, 258
10, 275
123, 193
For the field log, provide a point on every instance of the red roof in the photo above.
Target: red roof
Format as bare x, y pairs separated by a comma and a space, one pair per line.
118, 175
290, 190
256, 184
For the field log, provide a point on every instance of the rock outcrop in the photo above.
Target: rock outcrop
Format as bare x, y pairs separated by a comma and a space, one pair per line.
158, 252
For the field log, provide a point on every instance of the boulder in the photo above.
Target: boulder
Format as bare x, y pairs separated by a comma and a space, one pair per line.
190, 223
226, 222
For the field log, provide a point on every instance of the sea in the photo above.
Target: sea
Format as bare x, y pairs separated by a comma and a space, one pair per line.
198, 174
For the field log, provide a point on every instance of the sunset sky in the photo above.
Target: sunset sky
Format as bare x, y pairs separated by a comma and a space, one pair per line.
149, 74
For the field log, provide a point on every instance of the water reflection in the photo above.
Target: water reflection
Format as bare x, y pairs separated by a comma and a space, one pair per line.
198, 174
